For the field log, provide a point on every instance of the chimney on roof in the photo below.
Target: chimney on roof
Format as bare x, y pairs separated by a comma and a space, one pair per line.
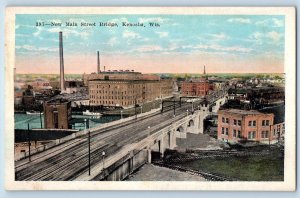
61, 58
98, 63
104, 68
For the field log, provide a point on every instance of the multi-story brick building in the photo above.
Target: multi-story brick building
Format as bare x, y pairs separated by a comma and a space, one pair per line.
235, 125
196, 88
126, 93
118, 75
57, 114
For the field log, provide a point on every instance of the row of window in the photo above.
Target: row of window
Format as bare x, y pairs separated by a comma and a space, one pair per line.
112, 97
251, 123
235, 133
251, 134
110, 102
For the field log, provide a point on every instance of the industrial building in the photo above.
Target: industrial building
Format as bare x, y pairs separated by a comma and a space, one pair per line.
57, 114
126, 93
124, 88
237, 126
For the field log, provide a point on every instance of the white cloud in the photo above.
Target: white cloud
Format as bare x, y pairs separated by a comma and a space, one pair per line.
273, 22
173, 46
239, 20
67, 32
130, 35
113, 41
220, 36
162, 34
33, 48
256, 35
219, 48
149, 48
38, 32
259, 38
275, 36
277, 22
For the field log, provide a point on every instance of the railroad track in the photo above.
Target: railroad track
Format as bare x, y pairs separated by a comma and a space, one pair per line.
72, 162
206, 175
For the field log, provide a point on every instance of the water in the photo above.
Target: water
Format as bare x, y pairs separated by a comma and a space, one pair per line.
22, 120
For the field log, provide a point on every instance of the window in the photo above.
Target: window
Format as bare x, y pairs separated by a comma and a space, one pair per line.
223, 119
239, 122
227, 120
239, 134
264, 134
267, 122
226, 131
250, 123
234, 132
234, 122
223, 130
251, 135
263, 123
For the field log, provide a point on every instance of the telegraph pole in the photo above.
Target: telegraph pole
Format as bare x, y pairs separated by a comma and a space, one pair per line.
174, 107
135, 109
89, 143
89, 152
41, 119
29, 154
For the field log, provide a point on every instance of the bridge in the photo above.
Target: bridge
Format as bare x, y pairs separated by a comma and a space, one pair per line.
115, 150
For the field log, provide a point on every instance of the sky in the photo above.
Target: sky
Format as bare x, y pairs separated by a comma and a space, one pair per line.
180, 44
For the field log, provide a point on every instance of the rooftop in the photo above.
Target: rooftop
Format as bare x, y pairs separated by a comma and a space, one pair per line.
57, 101
241, 111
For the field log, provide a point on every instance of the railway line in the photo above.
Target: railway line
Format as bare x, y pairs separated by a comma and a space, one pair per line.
70, 163
206, 175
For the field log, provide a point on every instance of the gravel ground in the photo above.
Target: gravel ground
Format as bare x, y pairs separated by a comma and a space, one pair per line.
197, 141
149, 172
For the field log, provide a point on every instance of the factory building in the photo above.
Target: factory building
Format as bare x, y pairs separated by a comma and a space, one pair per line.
126, 93
236, 125
124, 88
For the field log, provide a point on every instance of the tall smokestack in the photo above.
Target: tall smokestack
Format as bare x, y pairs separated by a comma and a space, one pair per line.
98, 63
61, 57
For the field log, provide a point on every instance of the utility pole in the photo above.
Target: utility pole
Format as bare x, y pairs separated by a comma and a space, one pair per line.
29, 144
174, 107
89, 143
41, 119
103, 157
135, 109
89, 152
